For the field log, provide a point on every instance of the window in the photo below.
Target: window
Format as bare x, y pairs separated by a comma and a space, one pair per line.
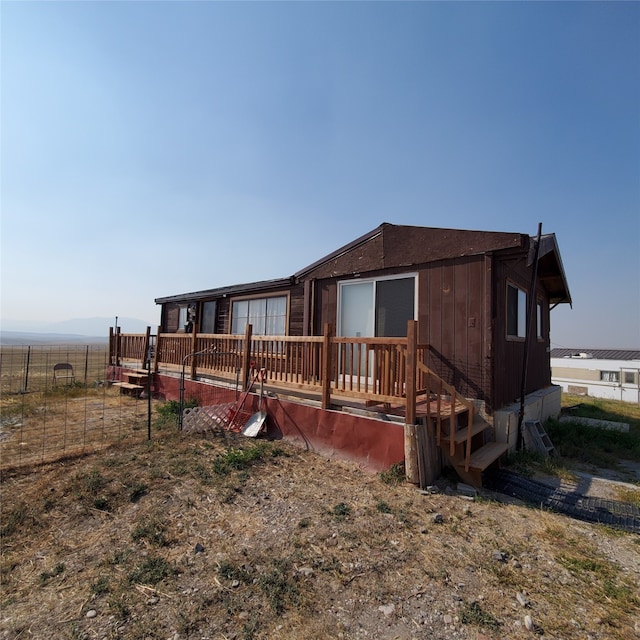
208, 324
610, 376
516, 312
268, 316
378, 307
629, 377
182, 318
539, 332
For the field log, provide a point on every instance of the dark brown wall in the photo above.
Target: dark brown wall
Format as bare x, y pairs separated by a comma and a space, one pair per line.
170, 311
509, 354
452, 298
451, 320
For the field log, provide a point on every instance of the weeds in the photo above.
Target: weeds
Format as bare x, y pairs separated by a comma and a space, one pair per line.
279, 587
394, 475
56, 571
100, 586
238, 459
20, 515
383, 507
341, 510
152, 530
473, 613
137, 491
153, 570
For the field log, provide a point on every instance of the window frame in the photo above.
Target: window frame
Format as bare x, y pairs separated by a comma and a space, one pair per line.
516, 337
249, 299
412, 275
539, 321
203, 305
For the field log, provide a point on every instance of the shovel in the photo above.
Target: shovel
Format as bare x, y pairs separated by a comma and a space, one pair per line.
257, 420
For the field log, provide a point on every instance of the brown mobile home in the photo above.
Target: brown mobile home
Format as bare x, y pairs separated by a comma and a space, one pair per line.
412, 327
467, 290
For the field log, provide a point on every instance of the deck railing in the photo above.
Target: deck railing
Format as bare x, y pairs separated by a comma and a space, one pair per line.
387, 371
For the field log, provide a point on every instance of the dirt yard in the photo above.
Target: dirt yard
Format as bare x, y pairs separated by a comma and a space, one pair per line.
222, 538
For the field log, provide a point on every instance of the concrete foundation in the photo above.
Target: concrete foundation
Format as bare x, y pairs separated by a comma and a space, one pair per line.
540, 405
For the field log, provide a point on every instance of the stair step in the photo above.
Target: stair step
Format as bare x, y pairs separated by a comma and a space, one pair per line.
128, 385
461, 434
481, 458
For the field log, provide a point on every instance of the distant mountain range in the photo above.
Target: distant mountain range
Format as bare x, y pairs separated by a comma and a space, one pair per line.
75, 330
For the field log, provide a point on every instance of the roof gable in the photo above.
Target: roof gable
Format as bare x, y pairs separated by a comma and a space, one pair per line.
390, 246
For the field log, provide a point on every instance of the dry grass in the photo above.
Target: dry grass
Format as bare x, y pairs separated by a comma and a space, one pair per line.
232, 538
65, 421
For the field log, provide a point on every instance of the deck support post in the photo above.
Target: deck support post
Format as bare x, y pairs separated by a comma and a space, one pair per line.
326, 366
412, 469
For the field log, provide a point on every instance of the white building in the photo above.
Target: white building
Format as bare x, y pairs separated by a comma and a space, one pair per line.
600, 373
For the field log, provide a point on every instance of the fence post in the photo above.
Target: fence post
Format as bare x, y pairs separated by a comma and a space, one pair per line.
194, 360
326, 366
246, 355
412, 469
145, 348
117, 349
26, 370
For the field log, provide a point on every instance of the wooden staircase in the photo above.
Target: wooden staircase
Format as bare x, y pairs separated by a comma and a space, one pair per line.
470, 450
134, 382
463, 436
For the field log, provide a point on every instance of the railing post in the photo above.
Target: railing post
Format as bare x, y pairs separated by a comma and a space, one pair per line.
326, 366
156, 352
410, 440
246, 355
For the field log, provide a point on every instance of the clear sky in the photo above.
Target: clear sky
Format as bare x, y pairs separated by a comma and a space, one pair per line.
154, 148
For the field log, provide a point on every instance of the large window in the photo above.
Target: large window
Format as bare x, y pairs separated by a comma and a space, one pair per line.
268, 316
516, 312
610, 376
377, 307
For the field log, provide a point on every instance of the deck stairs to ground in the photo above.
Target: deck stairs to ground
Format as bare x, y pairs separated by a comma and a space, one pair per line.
465, 438
134, 382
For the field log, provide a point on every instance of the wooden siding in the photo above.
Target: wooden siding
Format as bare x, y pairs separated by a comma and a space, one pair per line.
451, 321
509, 353
451, 300
170, 310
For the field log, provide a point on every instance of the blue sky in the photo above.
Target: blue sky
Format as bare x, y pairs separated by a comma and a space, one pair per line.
154, 148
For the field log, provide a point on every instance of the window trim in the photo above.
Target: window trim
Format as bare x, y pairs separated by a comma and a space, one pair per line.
279, 294
539, 320
509, 336
374, 280
201, 305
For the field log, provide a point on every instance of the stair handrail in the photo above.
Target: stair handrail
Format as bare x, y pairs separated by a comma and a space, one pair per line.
455, 398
